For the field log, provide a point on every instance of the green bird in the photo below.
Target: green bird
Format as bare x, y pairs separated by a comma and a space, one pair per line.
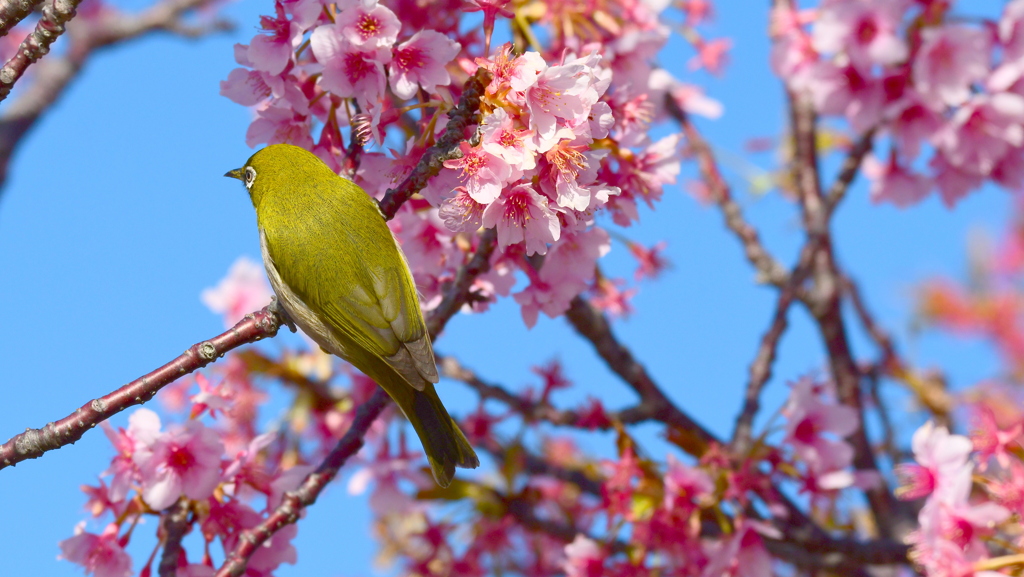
341, 277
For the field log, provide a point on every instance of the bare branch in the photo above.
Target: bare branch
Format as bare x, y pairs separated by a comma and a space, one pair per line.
529, 409
52, 75
14, 11
593, 326
761, 367
50, 26
849, 170
464, 279
33, 443
769, 269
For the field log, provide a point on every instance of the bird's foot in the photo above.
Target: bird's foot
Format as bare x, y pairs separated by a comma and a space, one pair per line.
282, 315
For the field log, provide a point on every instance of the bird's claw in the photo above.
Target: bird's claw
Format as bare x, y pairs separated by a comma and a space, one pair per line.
281, 314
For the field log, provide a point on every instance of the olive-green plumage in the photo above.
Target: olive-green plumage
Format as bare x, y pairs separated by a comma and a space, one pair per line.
340, 275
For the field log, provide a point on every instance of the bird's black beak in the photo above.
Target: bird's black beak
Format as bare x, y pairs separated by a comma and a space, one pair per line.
236, 173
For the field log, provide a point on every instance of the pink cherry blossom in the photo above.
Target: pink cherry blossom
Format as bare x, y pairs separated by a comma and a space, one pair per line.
100, 555
501, 137
867, 31
554, 93
483, 174
650, 262
940, 457
350, 70
244, 290
420, 61
583, 558
460, 212
522, 215
272, 52
982, 132
185, 460
892, 182
992, 442
913, 121
816, 425
951, 58
712, 55
367, 26
568, 268
844, 90
953, 183
276, 124
143, 429
742, 555
568, 168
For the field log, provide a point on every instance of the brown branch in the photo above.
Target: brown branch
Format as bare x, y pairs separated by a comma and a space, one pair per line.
14, 11
56, 15
33, 443
849, 170
531, 410
592, 324
460, 118
52, 75
458, 294
174, 524
768, 268
295, 501
761, 367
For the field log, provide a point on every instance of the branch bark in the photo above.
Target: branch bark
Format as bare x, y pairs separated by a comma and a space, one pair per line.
33, 443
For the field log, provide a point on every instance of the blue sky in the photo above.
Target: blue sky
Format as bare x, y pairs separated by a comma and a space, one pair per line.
116, 216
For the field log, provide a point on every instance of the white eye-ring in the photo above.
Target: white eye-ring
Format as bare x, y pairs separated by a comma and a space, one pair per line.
250, 176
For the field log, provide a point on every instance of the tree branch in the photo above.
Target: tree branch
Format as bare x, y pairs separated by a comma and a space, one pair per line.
295, 501
33, 443
593, 326
460, 118
761, 367
56, 15
174, 524
52, 75
14, 11
531, 410
769, 269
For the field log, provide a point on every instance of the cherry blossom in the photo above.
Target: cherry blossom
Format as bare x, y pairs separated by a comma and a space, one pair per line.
100, 555
243, 290
185, 460
420, 62
522, 215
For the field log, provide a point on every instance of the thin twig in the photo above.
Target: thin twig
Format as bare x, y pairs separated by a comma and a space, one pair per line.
761, 367
768, 267
34, 443
849, 170
531, 410
52, 75
592, 324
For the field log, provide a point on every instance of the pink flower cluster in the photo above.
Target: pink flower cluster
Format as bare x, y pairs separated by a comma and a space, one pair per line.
928, 81
562, 136
952, 524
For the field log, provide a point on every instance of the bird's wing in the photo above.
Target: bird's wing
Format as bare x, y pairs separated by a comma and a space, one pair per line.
374, 309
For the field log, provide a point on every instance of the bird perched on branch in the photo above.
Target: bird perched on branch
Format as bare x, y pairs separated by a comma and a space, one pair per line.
340, 275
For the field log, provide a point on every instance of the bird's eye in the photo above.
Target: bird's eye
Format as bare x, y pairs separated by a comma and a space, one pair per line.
250, 176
